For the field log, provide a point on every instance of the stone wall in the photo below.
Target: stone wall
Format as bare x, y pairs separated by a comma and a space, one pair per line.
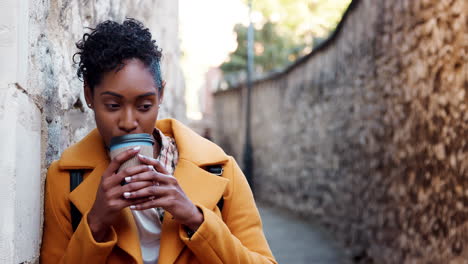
56, 27
42, 108
369, 132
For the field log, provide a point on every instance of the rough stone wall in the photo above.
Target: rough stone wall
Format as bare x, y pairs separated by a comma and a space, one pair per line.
57, 25
369, 132
42, 108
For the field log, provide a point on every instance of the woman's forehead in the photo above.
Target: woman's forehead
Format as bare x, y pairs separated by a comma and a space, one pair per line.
133, 77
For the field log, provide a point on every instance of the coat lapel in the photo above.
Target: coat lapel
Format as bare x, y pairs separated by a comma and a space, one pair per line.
83, 198
195, 182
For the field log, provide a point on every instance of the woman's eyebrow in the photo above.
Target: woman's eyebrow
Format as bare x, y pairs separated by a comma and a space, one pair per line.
112, 93
146, 94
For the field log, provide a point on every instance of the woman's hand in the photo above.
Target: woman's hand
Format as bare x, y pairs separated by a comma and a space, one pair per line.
110, 196
166, 193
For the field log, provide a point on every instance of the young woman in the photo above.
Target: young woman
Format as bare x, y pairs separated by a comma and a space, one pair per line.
168, 212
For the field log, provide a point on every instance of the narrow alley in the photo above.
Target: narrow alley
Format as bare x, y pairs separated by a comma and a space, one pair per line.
296, 241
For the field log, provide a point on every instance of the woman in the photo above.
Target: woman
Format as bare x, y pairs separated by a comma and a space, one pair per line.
168, 212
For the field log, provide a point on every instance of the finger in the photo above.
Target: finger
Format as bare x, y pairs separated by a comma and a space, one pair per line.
161, 202
153, 190
129, 172
122, 192
117, 161
133, 187
156, 163
129, 190
143, 200
154, 176
129, 202
117, 204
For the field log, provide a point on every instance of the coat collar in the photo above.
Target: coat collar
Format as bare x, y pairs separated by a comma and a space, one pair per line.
91, 151
194, 153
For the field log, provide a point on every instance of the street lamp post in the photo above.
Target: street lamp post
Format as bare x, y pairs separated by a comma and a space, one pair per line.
248, 150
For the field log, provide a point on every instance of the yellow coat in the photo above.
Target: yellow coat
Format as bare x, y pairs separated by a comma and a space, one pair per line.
237, 239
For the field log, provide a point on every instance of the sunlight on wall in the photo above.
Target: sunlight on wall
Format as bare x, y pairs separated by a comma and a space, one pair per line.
206, 40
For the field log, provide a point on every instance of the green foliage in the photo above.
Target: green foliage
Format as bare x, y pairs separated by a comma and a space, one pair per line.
272, 49
287, 30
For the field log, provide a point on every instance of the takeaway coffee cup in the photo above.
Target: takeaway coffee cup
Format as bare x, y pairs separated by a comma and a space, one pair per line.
122, 143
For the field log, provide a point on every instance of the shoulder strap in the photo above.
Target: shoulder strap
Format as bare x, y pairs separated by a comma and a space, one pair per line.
76, 177
217, 170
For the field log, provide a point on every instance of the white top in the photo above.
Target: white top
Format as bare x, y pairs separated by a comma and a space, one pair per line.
149, 231
148, 221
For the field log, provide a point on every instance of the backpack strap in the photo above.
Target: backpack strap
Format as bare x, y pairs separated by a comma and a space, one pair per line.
76, 177
217, 170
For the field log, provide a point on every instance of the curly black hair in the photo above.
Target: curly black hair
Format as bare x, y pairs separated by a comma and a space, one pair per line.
109, 44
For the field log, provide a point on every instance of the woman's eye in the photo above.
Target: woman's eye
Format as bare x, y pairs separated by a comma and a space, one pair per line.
112, 106
145, 107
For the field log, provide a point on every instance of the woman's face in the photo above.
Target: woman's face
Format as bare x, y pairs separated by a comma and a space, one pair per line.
126, 101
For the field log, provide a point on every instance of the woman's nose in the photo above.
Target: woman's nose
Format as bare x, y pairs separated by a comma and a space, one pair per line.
127, 121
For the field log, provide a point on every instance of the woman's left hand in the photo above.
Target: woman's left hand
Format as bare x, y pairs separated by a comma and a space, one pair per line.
165, 193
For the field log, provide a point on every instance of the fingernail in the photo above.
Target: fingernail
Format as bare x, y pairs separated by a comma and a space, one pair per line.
126, 194
128, 179
137, 148
132, 207
141, 156
151, 167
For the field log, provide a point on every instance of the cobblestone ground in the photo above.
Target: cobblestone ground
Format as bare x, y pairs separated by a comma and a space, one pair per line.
296, 241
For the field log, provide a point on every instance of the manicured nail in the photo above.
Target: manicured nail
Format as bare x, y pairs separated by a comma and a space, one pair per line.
137, 148
133, 207
128, 179
151, 167
126, 194
141, 156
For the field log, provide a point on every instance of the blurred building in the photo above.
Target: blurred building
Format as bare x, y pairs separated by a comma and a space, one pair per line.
212, 81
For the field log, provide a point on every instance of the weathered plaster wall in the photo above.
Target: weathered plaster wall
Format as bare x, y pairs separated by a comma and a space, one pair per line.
42, 109
20, 141
369, 133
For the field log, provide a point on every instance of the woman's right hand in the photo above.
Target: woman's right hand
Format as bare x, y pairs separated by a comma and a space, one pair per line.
110, 198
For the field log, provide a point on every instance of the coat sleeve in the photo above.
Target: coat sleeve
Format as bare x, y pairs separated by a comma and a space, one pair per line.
59, 243
238, 239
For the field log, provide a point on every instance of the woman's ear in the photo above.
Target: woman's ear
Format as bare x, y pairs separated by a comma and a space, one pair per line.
88, 95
